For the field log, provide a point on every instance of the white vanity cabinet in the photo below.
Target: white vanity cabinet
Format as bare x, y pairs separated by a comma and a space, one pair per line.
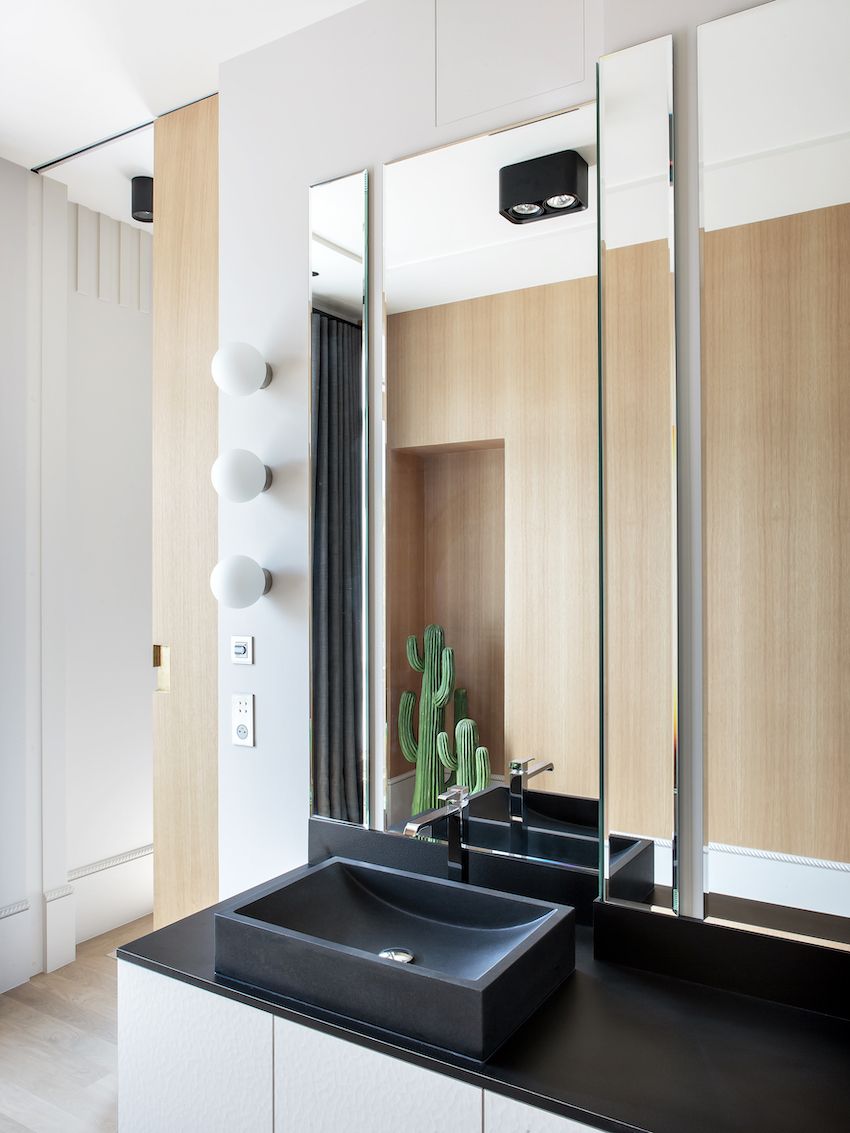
191, 1061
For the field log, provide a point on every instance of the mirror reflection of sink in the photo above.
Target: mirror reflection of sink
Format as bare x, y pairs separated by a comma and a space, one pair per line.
482, 961
558, 814
561, 830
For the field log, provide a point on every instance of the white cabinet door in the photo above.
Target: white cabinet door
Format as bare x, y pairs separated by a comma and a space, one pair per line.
190, 1061
327, 1085
504, 1115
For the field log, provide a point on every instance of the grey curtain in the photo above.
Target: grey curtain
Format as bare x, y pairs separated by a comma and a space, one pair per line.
337, 645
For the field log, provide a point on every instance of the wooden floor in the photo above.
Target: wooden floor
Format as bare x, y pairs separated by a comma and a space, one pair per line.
58, 1055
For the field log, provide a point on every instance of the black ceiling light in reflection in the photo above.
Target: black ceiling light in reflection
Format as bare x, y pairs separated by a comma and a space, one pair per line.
142, 199
551, 185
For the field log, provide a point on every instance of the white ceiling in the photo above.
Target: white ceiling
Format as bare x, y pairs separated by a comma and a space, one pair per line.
444, 239
100, 178
338, 238
74, 73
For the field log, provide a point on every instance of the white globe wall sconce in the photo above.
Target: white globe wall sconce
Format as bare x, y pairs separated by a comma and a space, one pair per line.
240, 475
238, 581
239, 369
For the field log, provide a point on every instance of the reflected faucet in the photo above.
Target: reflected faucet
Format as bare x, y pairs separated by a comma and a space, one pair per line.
521, 770
455, 812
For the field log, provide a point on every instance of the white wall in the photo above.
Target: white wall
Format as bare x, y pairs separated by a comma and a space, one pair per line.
348, 93
108, 675
75, 677
358, 90
20, 662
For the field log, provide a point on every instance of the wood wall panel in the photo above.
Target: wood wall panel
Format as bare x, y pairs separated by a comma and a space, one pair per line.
405, 613
521, 367
776, 481
640, 514
185, 423
447, 524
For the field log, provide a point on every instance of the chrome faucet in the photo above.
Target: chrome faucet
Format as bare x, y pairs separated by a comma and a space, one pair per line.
455, 811
521, 770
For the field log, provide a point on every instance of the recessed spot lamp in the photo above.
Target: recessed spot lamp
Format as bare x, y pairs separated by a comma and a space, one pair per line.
551, 185
240, 475
239, 369
239, 581
141, 198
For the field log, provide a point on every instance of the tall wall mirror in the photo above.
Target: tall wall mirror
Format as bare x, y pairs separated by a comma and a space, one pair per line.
339, 512
492, 513
638, 435
492, 569
774, 109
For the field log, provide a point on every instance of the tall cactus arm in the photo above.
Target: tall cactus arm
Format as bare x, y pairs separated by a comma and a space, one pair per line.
409, 747
461, 705
482, 769
447, 678
414, 658
447, 756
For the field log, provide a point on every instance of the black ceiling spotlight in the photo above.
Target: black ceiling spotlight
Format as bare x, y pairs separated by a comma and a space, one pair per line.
543, 186
142, 199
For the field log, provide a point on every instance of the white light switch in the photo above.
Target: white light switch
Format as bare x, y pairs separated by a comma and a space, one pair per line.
242, 650
242, 719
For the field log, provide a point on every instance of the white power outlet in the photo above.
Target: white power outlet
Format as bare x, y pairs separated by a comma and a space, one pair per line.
242, 719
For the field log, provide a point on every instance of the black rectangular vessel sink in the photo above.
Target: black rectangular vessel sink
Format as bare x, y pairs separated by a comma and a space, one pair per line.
453, 966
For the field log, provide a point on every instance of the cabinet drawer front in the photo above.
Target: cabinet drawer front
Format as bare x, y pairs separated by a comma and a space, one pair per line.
190, 1061
326, 1084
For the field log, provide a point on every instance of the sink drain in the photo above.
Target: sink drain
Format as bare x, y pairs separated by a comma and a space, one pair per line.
400, 955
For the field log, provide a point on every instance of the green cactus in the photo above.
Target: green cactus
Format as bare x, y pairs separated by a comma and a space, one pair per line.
470, 762
438, 677
448, 758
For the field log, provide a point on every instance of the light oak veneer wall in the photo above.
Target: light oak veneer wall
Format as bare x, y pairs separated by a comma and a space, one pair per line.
185, 425
776, 482
640, 545
519, 369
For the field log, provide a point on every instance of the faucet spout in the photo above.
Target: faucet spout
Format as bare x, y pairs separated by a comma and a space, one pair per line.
455, 813
521, 770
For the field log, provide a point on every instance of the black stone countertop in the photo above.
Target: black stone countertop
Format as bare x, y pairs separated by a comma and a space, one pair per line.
615, 1048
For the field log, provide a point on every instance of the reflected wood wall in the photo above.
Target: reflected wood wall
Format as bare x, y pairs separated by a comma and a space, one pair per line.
185, 523
447, 524
640, 503
518, 368
776, 477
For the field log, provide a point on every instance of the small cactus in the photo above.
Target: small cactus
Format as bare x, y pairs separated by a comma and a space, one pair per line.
469, 761
438, 678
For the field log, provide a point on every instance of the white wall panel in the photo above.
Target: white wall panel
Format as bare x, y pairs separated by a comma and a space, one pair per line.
20, 616
488, 55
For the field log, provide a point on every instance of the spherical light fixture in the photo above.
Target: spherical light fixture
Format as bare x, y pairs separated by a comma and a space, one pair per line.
239, 369
238, 581
239, 475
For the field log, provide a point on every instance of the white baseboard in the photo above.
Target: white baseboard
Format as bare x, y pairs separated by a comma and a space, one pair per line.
112, 892
59, 921
400, 797
15, 944
778, 879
